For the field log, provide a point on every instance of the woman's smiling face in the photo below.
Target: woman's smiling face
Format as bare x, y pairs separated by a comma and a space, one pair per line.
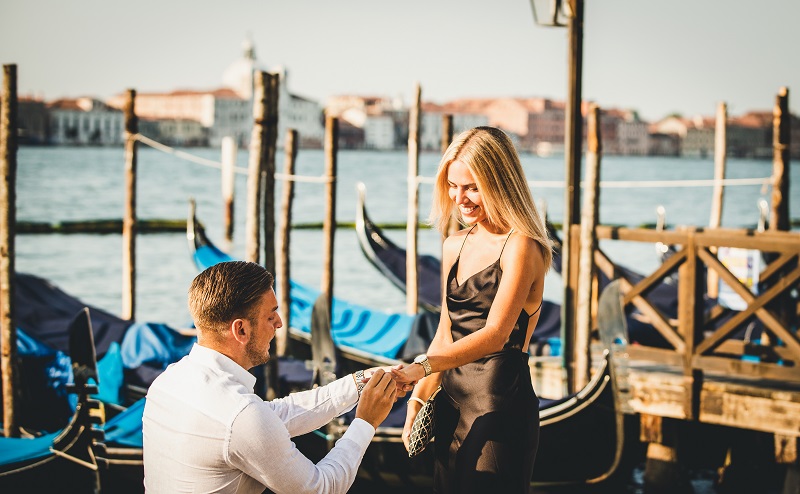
464, 192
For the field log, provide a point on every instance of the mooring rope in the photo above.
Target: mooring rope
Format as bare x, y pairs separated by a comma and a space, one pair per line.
215, 164
618, 184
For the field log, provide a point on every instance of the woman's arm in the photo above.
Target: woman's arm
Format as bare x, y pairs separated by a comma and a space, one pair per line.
522, 265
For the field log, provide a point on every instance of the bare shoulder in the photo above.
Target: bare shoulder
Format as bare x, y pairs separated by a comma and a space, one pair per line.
523, 251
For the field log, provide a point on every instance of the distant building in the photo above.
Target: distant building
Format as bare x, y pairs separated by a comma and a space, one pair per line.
431, 127
383, 120
294, 111
220, 113
750, 135
32, 119
633, 138
84, 121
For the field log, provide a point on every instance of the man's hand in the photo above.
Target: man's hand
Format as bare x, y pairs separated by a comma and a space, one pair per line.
377, 398
402, 387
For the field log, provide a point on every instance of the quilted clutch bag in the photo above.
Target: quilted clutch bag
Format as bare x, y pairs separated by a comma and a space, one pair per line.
422, 428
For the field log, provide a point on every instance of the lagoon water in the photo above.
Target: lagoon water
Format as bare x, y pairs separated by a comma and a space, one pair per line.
78, 183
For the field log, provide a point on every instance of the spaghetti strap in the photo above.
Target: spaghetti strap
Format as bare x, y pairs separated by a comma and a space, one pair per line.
465, 240
504, 243
537, 310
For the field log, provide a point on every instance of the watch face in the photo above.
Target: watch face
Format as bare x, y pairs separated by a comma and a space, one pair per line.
420, 358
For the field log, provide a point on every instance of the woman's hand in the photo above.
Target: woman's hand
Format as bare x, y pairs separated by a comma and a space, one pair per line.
408, 373
411, 414
403, 387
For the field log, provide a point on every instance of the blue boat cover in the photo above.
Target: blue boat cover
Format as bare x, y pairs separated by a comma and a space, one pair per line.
372, 331
125, 429
19, 449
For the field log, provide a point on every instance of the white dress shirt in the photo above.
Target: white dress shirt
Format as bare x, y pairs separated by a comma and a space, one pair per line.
206, 431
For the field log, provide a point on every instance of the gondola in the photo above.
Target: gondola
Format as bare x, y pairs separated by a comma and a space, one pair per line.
63, 461
362, 336
130, 354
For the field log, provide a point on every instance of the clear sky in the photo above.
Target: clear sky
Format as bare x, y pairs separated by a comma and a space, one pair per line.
658, 57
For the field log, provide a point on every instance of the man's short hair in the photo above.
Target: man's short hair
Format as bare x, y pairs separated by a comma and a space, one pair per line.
225, 292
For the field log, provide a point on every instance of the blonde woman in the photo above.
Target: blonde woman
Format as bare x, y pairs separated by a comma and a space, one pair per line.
487, 421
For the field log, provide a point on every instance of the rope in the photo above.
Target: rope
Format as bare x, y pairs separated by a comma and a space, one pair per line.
215, 164
181, 154
324, 179
619, 184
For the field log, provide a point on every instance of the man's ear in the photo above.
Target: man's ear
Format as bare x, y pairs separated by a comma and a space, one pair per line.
240, 330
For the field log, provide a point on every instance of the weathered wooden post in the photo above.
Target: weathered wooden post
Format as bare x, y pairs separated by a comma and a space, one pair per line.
8, 220
720, 158
283, 273
329, 223
588, 245
129, 222
268, 195
229, 152
573, 145
779, 216
254, 167
412, 286
447, 138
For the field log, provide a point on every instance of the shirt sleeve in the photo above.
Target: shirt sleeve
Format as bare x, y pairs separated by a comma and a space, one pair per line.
305, 411
260, 446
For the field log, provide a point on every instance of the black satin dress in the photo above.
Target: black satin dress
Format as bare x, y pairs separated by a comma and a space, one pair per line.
487, 415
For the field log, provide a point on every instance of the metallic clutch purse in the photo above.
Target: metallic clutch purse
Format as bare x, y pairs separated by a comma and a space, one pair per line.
422, 428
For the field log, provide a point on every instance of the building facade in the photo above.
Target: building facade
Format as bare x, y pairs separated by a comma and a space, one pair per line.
84, 121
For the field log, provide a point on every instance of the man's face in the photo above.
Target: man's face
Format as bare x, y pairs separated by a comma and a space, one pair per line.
263, 327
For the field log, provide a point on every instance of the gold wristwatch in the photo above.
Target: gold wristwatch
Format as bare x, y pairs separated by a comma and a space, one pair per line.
422, 360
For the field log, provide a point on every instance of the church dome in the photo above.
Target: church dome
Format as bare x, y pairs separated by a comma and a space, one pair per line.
239, 75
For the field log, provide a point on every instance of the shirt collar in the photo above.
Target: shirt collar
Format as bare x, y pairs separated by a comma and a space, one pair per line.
212, 358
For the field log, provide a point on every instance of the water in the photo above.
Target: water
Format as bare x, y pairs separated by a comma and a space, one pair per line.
64, 183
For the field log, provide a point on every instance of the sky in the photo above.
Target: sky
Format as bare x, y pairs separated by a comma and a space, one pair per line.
657, 57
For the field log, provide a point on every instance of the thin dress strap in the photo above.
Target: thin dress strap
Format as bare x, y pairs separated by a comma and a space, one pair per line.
504, 243
465, 240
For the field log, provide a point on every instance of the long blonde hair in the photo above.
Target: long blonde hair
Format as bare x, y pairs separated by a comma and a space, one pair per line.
494, 163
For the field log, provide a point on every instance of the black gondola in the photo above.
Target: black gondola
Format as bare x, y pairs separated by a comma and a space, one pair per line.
64, 461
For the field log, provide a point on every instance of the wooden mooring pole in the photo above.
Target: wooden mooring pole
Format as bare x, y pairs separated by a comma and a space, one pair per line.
329, 223
573, 145
588, 244
447, 138
412, 285
8, 215
283, 273
129, 225
720, 160
254, 167
229, 151
779, 215
268, 194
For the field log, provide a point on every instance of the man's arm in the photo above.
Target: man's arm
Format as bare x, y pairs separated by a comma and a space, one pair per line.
305, 411
261, 447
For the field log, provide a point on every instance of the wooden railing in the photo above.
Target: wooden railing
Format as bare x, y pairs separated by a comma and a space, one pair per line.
699, 342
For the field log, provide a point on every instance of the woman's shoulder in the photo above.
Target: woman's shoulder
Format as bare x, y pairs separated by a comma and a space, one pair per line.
524, 249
